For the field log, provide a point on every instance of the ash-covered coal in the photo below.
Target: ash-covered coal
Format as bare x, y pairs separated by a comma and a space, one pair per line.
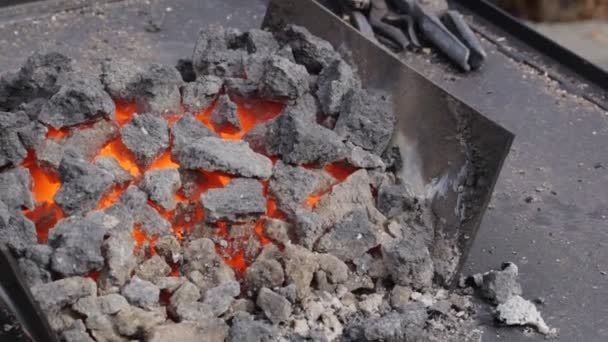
248, 195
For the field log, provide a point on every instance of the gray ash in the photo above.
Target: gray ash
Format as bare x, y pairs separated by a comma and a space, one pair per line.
248, 195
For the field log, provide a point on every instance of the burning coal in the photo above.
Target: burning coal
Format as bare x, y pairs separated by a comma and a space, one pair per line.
258, 202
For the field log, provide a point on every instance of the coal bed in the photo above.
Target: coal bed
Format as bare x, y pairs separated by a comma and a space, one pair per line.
248, 194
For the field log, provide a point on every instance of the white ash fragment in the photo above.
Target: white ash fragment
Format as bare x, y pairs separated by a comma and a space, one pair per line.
188, 130
499, 286
82, 99
147, 136
120, 262
275, 307
161, 186
245, 328
221, 297
169, 248
311, 51
111, 165
104, 305
300, 265
350, 237
186, 293
149, 220
102, 328
519, 311
282, 81
224, 115
200, 94
76, 333
238, 200
135, 322
61, 293
194, 311
141, 293
408, 262
212, 330
370, 132
158, 90
277, 230
264, 273
153, 269
16, 184
230, 156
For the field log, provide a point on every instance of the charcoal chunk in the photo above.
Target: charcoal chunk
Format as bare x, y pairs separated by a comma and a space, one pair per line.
77, 242
141, 293
194, 311
350, 238
221, 297
392, 159
110, 165
120, 78
283, 81
334, 82
256, 41
212, 330
153, 269
82, 184
87, 142
409, 262
212, 55
230, 156
187, 293
39, 77
16, 231
80, 100
393, 199
300, 266
161, 186
224, 115
200, 255
291, 185
158, 91
147, 136
133, 321
366, 120
403, 326
275, 307
188, 130
32, 273
254, 67
297, 141
309, 227
312, 52
264, 273
32, 134
12, 151
198, 95
148, 219
104, 305
361, 158
60, 293
305, 108
76, 333
277, 230
239, 200
246, 329
16, 184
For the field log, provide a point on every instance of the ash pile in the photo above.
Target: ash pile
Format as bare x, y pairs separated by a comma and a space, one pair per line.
248, 194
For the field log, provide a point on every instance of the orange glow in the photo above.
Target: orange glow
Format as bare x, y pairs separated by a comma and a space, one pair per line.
250, 114
312, 200
56, 133
93, 275
123, 156
140, 238
174, 270
164, 162
124, 112
44, 216
237, 262
272, 210
45, 184
110, 197
259, 231
340, 171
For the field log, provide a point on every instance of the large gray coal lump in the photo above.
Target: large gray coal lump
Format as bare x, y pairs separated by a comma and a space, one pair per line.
82, 184
158, 90
224, 115
188, 130
120, 78
230, 156
161, 186
349, 238
309, 50
198, 95
16, 185
147, 136
366, 120
283, 80
82, 99
334, 82
213, 55
16, 231
239, 200
146, 217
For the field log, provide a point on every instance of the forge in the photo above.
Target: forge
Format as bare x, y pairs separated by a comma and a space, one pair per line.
274, 186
